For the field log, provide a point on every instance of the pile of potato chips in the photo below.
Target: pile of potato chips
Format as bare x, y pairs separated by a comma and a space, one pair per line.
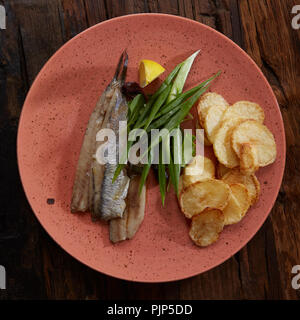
216, 197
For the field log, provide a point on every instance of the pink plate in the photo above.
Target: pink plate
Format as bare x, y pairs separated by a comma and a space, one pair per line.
54, 118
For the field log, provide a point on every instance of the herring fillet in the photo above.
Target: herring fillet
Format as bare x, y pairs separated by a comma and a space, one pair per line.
87, 188
126, 227
118, 228
136, 206
113, 195
98, 170
80, 196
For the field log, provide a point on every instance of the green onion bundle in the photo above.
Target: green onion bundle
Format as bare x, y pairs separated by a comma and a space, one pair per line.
166, 108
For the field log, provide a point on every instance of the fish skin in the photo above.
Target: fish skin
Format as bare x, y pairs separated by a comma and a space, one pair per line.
126, 227
97, 169
81, 188
87, 188
113, 194
118, 228
136, 206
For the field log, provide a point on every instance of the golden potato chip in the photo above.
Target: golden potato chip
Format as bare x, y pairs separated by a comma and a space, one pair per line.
257, 187
258, 135
199, 169
250, 182
221, 170
206, 227
245, 110
206, 101
206, 142
232, 212
248, 159
241, 193
212, 120
238, 204
222, 143
203, 194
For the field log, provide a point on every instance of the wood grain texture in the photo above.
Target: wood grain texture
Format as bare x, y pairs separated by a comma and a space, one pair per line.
36, 266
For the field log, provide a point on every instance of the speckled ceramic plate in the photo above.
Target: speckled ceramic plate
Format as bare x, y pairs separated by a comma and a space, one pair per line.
55, 116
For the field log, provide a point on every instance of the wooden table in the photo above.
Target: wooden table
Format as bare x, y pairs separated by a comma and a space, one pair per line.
37, 268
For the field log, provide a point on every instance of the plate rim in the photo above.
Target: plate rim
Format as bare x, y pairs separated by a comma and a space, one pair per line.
281, 125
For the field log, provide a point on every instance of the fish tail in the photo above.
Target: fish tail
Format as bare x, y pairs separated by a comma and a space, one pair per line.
121, 70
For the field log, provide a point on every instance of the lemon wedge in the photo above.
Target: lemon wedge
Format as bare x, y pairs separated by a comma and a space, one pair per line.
149, 70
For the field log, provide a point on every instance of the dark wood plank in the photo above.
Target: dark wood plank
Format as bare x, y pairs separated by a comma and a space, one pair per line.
95, 11
19, 230
122, 7
185, 9
205, 12
272, 43
39, 40
73, 17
